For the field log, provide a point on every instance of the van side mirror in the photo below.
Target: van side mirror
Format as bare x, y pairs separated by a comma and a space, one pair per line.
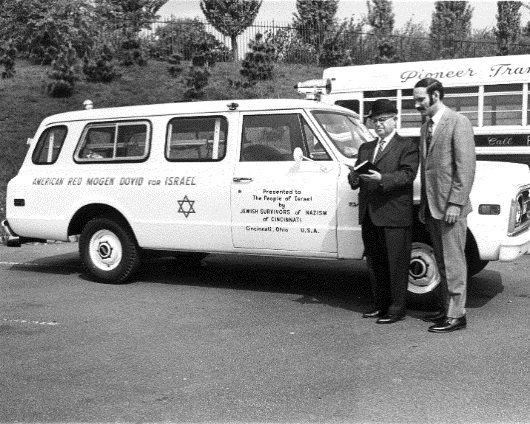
298, 156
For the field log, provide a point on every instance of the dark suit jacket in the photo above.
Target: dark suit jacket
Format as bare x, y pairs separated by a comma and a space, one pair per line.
448, 168
389, 202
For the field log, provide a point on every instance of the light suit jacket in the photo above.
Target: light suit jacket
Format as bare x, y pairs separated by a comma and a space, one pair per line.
448, 168
389, 202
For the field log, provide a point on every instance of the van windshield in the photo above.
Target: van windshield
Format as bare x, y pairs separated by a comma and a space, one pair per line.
346, 132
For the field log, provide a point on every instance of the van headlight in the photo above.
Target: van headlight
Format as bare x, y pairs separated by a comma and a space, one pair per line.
520, 208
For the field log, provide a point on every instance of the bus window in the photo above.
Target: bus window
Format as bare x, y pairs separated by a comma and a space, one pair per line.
503, 104
410, 117
349, 104
463, 100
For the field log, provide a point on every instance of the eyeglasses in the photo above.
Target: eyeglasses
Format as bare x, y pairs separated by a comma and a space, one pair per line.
381, 120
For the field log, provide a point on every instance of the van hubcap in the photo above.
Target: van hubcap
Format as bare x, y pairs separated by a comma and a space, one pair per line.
423, 270
105, 250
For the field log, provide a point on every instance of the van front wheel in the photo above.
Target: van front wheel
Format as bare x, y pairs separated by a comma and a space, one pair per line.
423, 269
109, 250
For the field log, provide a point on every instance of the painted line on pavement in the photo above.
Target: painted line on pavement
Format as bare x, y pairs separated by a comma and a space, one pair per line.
34, 264
25, 321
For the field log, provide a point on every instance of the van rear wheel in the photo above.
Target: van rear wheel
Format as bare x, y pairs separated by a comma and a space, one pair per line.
109, 250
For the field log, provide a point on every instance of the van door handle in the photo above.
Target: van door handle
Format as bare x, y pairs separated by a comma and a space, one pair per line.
241, 179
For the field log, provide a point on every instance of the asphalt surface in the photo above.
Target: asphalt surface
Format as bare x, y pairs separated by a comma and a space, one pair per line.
248, 339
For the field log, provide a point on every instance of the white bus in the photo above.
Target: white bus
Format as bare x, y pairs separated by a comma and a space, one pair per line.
491, 91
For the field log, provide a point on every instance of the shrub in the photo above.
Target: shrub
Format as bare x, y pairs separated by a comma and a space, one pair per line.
132, 51
101, 66
290, 47
188, 38
63, 73
197, 78
175, 69
8, 54
258, 63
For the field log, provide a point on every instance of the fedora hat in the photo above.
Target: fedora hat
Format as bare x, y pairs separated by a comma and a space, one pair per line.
382, 106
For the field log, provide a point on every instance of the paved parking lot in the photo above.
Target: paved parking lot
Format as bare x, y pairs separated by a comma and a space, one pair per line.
247, 339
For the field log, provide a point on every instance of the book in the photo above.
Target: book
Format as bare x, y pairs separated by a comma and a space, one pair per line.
364, 167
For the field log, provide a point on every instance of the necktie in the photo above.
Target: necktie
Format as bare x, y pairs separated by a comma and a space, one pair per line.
428, 138
380, 147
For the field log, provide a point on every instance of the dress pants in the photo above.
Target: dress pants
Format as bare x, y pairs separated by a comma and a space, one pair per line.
449, 242
388, 256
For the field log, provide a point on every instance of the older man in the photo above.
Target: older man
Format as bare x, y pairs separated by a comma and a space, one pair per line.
386, 210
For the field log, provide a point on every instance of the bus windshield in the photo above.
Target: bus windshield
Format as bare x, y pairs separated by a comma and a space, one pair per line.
346, 133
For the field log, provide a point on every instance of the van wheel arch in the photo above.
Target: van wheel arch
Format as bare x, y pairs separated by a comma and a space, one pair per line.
423, 272
87, 212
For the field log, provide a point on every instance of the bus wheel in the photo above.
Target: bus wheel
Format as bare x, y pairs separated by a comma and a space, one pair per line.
423, 270
109, 250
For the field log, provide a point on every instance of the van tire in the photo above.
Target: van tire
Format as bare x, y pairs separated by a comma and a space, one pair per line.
108, 250
424, 276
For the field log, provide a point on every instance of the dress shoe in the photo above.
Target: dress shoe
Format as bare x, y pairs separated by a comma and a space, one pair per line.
390, 319
436, 318
450, 324
376, 313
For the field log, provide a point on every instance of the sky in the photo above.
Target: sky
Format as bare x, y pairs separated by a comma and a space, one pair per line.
281, 11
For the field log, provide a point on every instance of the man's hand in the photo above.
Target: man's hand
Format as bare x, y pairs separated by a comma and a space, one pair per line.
372, 176
353, 179
452, 213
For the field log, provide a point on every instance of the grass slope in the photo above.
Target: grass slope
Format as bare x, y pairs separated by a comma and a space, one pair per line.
24, 103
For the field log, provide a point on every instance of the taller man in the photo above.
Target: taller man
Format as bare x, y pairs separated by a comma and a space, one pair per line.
447, 157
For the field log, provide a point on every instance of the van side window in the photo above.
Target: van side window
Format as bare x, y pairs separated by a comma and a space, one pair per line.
314, 146
49, 145
270, 137
116, 141
196, 139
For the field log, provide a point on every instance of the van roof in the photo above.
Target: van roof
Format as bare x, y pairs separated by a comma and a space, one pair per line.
188, 108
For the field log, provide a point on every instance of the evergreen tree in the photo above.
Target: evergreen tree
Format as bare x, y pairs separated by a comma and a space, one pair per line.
63, 74
127, 18
8, 54
231, 17
138, 14
258, 64
100, 66
41, 27
508, 25
314, 20
197, 78
381, 18
451, 23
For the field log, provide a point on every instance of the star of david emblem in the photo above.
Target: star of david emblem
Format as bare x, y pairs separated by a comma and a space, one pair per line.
186, 206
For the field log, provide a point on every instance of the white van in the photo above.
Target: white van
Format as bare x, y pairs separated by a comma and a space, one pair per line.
263, 177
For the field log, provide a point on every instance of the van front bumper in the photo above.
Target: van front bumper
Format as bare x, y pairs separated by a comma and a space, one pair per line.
10, 239
515, 246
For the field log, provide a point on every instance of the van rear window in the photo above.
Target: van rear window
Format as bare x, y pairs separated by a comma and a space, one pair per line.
115, 141
49, 145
